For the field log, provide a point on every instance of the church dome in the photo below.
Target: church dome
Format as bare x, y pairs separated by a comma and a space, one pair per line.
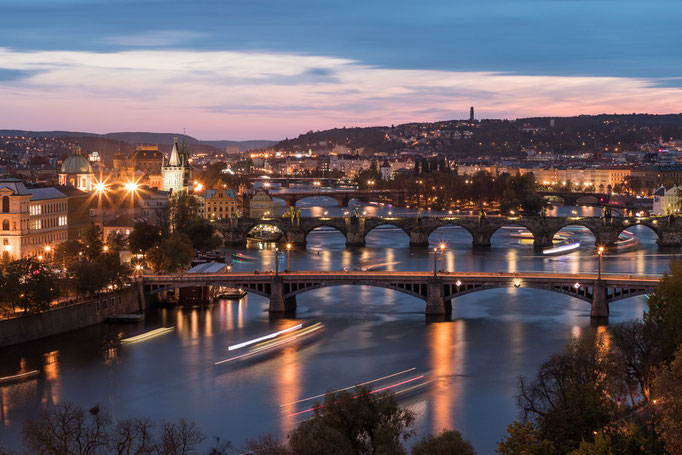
76, 164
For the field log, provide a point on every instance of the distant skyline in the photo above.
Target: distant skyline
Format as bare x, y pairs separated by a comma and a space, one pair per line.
267, 69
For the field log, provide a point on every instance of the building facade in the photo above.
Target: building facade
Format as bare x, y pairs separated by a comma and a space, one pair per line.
76, 171
176, 172
32, 221
220, 204
261, 205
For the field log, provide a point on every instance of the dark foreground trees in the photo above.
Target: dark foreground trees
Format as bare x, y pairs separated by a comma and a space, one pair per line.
360, 422
354, 422
71, 430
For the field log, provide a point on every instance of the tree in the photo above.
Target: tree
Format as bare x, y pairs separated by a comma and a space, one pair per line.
570, 397
184, 209
157, 260
668, 402
525, 438
637, 342
116, 241
69, 430
30, 284
201, 232
144, 236
446, 443
91, 238
173, 254
354, 422
665, 310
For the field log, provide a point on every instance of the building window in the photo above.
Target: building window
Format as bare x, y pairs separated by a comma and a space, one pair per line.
5, 225
5, 204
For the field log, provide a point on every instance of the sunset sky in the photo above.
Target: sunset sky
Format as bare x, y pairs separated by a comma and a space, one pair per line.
268, 69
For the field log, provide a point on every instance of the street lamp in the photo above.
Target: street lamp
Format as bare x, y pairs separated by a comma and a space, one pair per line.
289, 246
276, 261
435, 260
600, 251
442, 247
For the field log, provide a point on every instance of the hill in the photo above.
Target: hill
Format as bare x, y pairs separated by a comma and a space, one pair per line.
142, 137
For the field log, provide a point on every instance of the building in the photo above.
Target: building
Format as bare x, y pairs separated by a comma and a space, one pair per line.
76, 171
220, 204
667, 202
176, 173
32, 221
78, 211
261, 204
385, 170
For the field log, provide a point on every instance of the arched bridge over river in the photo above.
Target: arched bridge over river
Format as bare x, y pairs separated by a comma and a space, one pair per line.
543, 229
437, 290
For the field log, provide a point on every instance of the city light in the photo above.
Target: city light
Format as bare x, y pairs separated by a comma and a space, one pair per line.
131, 186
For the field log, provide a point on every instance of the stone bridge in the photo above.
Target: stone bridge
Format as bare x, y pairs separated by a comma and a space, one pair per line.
437, 290
343, 197
543, 229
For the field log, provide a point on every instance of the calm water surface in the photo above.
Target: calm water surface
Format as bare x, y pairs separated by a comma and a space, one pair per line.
494, 337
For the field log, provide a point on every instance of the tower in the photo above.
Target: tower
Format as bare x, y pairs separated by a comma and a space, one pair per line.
176, 172
471, 114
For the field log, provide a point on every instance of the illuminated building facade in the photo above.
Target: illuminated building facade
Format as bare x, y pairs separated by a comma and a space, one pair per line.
76, 171
176, 173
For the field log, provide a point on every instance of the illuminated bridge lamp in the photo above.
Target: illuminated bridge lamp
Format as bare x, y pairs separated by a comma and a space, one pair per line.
576, 286
458, 283
517, 283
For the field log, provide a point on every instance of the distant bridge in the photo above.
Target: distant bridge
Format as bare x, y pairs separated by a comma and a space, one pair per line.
343, 197
437, 290
543, 229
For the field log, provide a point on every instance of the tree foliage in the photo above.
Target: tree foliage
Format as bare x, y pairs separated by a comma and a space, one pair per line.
70, 430
448, 442
665, 310
668, 406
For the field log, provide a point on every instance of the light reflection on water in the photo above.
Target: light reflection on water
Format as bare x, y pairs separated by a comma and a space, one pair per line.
494, 337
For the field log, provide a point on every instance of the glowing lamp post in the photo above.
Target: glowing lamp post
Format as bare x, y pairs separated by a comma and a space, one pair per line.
289, 246
442, 247
600, 251
435, 261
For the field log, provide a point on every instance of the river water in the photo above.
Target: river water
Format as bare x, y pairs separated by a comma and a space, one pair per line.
494, 337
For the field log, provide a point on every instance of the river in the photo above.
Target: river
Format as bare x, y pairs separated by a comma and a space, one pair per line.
474, 359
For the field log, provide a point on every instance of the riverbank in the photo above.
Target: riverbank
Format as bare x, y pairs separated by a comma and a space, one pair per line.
66, 318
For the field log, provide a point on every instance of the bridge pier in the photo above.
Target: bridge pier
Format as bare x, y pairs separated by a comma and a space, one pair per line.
355, 231
607, 236
435, 303
481, 239
296, 237
543, 240
600, 307
669, 239
279, 303
419, 238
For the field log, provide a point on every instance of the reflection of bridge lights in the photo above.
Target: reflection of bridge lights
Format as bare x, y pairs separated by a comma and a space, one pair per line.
576, 286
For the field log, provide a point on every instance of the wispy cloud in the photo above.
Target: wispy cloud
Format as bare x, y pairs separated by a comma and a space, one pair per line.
228, 94
158, 38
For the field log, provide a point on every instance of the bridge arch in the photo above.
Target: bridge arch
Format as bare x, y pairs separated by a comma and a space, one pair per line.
385, 223
320, 198
514, 224
648, 227
448, 229
276, 224
417, 290
580, 223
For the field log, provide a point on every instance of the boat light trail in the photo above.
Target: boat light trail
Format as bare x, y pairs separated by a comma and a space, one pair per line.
562, 248
371, 393
349, 387
263, 338
147, 335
